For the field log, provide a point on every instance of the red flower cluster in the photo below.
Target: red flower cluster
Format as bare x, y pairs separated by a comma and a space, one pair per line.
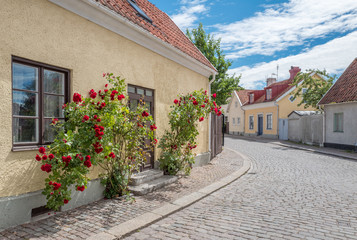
92, 94
112, 155
202, 106
79, 156
145, 114
153, 127
174, 147
201, 119
55, 185
77, 98
46, 168
55, 120
98, 131
80, 188
66, 160
87, 163
42, 150
176, 101
191, 146
195, 102
51, 156
112, 95
100, 105
214, 95
65, 201
97, 147
38, 158
64, 106
44, 157
155, 141
120, 97
85, 118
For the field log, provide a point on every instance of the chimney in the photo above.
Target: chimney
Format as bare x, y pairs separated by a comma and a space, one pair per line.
293, 71
270, 81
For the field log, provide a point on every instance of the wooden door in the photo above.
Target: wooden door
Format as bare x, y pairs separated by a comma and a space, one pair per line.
260, 125
135, 94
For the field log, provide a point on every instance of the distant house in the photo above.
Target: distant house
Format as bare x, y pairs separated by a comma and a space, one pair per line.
340, 107
267, 110
50, 49
235, 113
306, 127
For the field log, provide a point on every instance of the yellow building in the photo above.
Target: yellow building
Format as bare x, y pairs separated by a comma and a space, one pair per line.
266, 112
74, 42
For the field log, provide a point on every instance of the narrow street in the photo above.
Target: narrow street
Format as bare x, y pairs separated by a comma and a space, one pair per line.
287, 194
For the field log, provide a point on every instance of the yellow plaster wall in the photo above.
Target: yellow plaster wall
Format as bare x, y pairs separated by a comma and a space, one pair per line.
41, 31
235, 112
264, 112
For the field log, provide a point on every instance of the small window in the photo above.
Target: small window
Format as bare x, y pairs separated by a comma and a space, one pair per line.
268, 93
233, 121
38, 93
251, 97
139, 10
338, 122
291, 98
251, 122
236, 104
269, 121
304, 90
238, 120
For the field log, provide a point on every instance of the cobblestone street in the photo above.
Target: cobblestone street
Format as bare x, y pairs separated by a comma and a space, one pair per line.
287, 194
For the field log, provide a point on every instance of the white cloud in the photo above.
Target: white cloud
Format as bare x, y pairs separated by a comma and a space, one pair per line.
334, 56
189, 13
284, 25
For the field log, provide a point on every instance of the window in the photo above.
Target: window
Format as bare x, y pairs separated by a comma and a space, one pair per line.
236, 104
234, 121
251, 97
269, 121
38, 93
139, 10
238, 120
291, 98
251, 122
304, 90
338, 122
268, 93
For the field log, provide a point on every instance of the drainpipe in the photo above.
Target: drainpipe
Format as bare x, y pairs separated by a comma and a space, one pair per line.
323, 127
277, 118
209, 119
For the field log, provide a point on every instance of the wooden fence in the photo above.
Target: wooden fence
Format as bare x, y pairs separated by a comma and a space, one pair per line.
216, 134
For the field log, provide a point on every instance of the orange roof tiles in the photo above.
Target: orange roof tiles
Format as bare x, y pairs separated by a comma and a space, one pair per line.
162, 26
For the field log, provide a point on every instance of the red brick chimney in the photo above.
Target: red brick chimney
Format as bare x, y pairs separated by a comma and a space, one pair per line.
293, 71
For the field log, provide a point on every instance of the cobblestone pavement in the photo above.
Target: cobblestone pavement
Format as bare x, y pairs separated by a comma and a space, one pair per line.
88, 220
288, 194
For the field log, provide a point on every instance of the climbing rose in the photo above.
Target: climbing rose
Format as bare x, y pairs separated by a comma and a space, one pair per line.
38, 158
176, 101
80, 188
55, 120
77, 98
120, 97
195, 102
106, 85
42, 150
46, 168
202, 106
104, 75
56, 186
51, 156
44, 157
214, 95
219, 113
92, 94
155, 141
112, 155
87, 163
65, 201
88, 157
201, 119
145, 114
153, 127
85, 118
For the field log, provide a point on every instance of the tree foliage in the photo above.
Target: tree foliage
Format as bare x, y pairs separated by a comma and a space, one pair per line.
223, 84
315, 87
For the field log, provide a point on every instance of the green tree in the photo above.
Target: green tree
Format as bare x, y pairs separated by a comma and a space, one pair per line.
315, 87
223, 84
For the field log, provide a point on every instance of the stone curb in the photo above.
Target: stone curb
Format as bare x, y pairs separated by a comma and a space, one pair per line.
316, 151
130, 226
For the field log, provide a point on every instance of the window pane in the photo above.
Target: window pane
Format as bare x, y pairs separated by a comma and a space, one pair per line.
140, 91
53, 106
25, 103
133, 105
50, 133
131, 89
24, 77
25, 130
149, 93
53, 82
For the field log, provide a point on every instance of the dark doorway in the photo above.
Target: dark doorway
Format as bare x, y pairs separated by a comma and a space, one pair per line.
260, 125
135, 94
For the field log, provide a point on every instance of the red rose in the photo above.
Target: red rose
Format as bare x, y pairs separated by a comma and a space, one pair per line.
85, 118
51, 156
87, 157
51, 194
44, 157
195, 102
145, 114
87, 163
77, 98
174, 147
55, 120
38, 158
214, 95
92, 94
56, 186
65, 201
42, 150
206, 92
112, 155
105, 90
46, 168
95, 117
69, 158
98, 120
214, 103
219, 113
153, 127
201, 119
155, 141
176, 101
64, 140
50, 183
104, 76
120, 97
216, 110
80, 188
106, 85
64, 106
202, 106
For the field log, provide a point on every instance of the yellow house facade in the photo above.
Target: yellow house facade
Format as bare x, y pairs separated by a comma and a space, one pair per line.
77, 41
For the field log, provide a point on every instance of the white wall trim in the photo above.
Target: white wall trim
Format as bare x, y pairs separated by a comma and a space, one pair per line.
258, 105
266, 126
103, 16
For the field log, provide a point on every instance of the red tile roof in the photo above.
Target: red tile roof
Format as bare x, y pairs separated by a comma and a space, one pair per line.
345, 88
162, 26
243, 96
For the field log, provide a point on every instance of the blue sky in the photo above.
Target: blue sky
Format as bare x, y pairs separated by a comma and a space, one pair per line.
258, 35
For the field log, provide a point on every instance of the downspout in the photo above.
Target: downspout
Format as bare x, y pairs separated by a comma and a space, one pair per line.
277, 118
323, 127
209, 119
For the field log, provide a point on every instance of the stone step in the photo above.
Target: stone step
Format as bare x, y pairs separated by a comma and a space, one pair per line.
145, 176
147, 187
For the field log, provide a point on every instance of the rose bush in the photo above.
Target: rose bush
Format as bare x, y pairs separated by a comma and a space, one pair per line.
178, 142
99, 130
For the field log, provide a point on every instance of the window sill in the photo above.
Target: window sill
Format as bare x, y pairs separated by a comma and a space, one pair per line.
338, 131
25, 148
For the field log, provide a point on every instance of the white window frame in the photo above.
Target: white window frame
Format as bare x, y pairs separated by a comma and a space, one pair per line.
271, 122
251, 116
238, 120
335, 124
233, 121
251, 97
